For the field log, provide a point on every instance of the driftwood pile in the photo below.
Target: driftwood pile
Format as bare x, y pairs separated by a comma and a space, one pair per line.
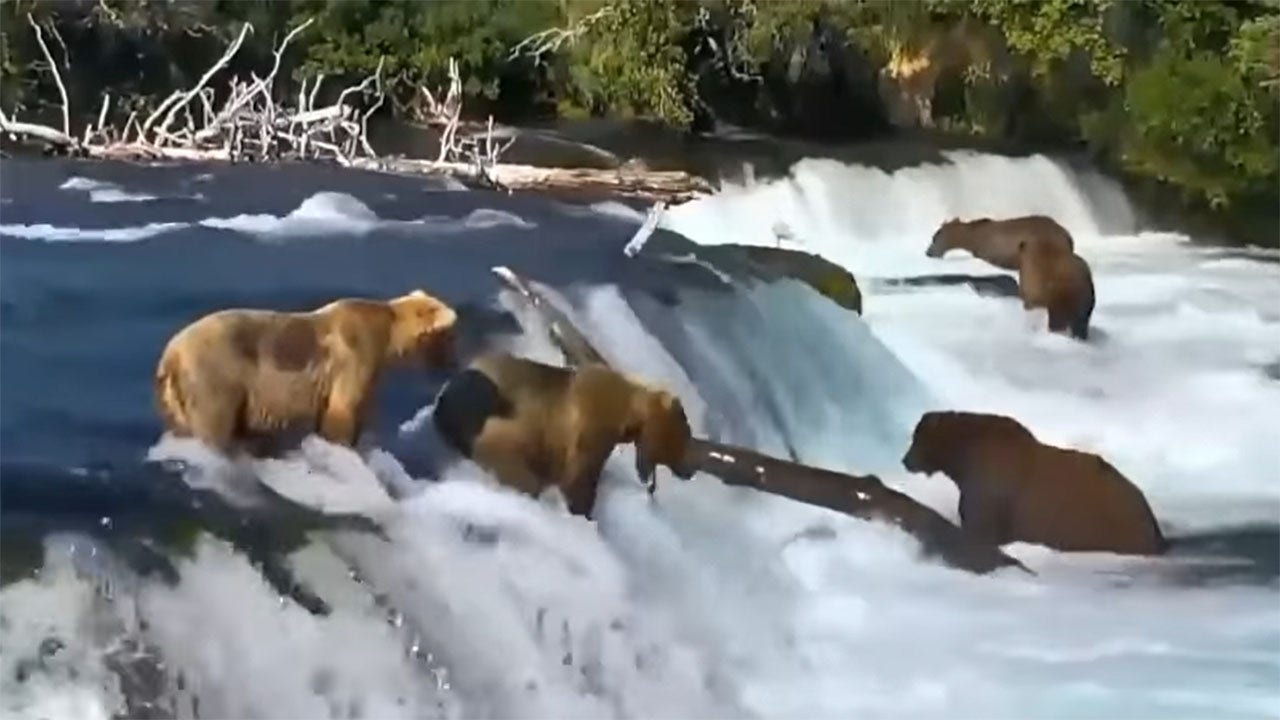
246, 123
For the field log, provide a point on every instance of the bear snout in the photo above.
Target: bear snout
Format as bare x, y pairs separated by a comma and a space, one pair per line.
911, 461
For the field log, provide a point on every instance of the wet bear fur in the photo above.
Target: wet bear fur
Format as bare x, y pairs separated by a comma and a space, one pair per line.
1015, 488
534, 425
241, 379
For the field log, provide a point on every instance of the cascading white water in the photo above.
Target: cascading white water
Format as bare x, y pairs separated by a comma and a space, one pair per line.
714, 601
860, 217
1173, 387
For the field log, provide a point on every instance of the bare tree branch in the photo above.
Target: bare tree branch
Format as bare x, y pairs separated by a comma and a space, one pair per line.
186, 97
552, 39
57, 76
252, 126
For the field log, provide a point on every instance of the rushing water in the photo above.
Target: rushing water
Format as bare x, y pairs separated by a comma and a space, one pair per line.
705, 601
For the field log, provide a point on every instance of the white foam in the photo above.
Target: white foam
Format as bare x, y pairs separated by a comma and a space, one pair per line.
53, 629
478, 219
104, 192
328, 478
322, 214
615, 209
484, 218
245, 653
52, 233
333, 213
862, 217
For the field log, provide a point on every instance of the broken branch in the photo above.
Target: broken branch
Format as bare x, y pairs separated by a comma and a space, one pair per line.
57, 76
187, 97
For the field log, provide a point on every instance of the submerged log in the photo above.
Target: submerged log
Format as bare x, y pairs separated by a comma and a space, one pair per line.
860, 496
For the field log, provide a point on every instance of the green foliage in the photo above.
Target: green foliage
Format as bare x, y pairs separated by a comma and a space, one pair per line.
1195, 122
1049, 31
417, 39
1182, 91
631, 61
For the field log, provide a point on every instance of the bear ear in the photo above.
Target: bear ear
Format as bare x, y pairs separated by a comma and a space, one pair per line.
929, 421
418, 293
667, 401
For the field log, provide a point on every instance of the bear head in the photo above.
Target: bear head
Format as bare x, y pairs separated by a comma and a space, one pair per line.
662, 434
942, 438
945, 238
922, 456
423, 328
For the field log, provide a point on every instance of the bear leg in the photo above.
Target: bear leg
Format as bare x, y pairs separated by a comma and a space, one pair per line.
582, 472
339, 425
985, 519
215, 425
341, 421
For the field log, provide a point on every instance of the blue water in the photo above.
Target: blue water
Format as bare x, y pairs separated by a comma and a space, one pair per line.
84, 322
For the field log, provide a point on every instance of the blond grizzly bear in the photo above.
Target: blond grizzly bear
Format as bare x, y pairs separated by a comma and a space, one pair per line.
1060, 282
534, 425
998, 241
241, 379
1015, 488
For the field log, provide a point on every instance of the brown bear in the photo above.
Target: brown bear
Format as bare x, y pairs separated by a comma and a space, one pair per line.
1014, 488
534, 425
240, 379
998, 241
1060, 282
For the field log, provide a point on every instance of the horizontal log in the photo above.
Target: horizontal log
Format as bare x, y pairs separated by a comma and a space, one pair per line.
671, 186
39, 132
860, 496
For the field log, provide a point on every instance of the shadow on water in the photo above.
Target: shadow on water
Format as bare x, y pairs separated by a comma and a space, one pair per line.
994, 285
147, 517
1241, 554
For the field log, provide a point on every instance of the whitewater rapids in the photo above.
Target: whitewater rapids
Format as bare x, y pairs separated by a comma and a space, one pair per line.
710, 601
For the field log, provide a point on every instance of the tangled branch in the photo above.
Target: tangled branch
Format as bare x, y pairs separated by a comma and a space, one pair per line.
552, 39
249, 126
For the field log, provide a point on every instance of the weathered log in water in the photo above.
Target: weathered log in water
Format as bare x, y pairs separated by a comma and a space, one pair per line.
578, 351
672, 186
993, 285
861, 496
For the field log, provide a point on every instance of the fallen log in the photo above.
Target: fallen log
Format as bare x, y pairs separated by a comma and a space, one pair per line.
860, 496
577, 350
670, 186
864, 497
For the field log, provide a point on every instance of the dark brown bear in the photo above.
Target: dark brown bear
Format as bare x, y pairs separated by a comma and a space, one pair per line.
1061, 283
534, 425
998, 241
1014, 488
